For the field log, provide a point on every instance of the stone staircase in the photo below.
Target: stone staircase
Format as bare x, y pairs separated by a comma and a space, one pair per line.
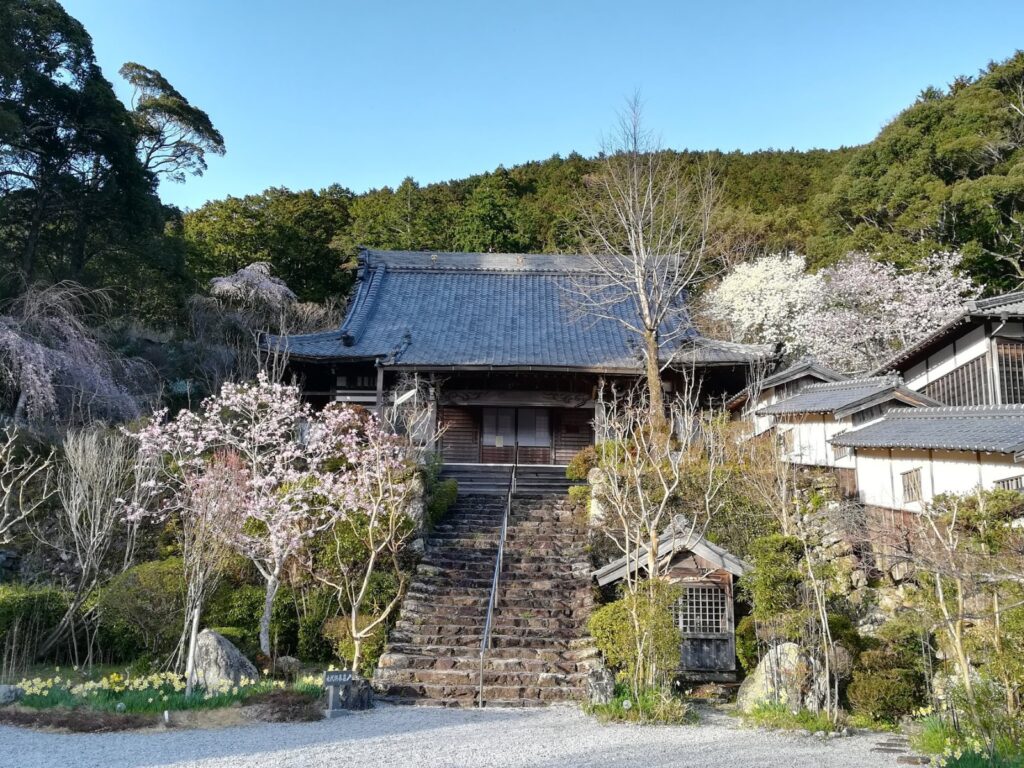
532, 480
539, 652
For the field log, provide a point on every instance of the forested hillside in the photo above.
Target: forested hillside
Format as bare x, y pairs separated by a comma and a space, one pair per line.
78, 190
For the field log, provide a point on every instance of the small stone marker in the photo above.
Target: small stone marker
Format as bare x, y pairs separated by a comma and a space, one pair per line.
345, 691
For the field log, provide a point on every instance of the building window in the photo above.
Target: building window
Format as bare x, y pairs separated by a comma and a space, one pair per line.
841, 451
868, 414
702, 610
911, 486
1011, 371
1011, 483
966, 385
356, 382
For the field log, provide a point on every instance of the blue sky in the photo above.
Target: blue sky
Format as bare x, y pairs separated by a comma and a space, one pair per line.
313, 92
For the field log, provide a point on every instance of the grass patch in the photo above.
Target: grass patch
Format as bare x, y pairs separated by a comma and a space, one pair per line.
778, 717
654, 706
868, 723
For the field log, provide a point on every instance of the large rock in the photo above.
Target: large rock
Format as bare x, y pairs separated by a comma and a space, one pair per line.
781, 677
9, 694
600, 685
219, 663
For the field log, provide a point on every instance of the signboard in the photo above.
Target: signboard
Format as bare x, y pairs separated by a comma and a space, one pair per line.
337, 677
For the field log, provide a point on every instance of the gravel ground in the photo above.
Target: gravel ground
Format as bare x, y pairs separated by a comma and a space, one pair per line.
418, 737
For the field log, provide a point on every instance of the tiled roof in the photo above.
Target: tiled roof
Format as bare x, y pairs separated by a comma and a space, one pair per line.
1009, 304
804, 367
992, 428
501, 310
845, 397
680, 536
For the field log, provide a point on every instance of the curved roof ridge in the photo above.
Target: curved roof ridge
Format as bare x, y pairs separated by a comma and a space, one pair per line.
450, 261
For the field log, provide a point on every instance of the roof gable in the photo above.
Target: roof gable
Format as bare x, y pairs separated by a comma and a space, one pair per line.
844, 398
678, 538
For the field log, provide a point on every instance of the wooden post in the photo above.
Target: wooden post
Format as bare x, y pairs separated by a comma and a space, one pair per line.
380, 391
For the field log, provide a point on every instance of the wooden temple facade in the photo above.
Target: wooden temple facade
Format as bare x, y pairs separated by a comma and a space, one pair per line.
503, 346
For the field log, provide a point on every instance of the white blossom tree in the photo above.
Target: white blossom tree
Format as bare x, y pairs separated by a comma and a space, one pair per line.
852, 316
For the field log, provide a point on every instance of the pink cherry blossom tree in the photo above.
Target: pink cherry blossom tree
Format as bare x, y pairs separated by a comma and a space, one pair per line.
297, 470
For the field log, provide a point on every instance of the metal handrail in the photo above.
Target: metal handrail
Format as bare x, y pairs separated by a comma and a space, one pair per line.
485, 641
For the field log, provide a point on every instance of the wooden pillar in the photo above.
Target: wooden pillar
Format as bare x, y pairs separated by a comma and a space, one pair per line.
380, 391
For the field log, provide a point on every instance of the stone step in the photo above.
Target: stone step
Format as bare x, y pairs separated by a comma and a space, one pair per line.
471, 677
471, 663
494, 695
571, 652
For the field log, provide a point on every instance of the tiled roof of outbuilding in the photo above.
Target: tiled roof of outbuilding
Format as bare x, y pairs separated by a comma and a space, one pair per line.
991, 428
842, 398
489, 310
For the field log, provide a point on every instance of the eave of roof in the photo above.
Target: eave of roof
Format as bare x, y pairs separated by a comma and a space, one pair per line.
846, 397
800, 369
986, 428
444, 311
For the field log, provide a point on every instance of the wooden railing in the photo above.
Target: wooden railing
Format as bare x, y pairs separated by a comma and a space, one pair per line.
485, 641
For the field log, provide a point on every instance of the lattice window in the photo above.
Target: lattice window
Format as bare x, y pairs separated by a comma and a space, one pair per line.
1011, 483
966, 385
1011, 371
911, 485
702, 610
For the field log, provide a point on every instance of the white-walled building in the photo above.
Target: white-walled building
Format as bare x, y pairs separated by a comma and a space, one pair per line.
777, 387
977, 358
808, 421
910, 456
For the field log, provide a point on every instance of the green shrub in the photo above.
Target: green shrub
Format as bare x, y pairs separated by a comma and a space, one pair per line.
442, 496
580, 495
242, 607
142, 610
883, 694
27, 616
779, 717
338, 632
312, 645
888, 680
616, 636
581, 464
746, 644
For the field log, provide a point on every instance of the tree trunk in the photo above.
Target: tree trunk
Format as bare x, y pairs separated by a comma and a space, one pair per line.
653, 372
273, 582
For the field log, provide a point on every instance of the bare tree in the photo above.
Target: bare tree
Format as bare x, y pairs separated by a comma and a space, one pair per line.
645, 476
209, 503
98, 481
25, 481
645, 224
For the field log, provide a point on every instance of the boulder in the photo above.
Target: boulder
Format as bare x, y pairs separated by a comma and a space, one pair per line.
219, 663
288, 666
9, 694
780, 677
600, 685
